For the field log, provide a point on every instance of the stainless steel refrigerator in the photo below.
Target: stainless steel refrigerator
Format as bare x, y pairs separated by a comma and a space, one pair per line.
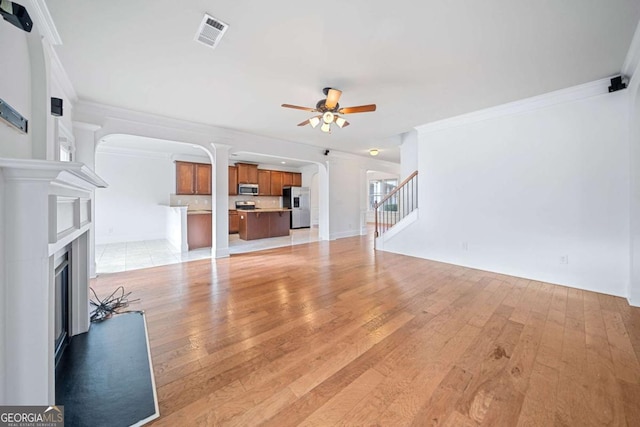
297, 199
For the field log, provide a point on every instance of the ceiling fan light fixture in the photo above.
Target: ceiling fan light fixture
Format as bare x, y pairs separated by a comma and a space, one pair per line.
328, 117
340, 122
326, 127
374, 152
314, 121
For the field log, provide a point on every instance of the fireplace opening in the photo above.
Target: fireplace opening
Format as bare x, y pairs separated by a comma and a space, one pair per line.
61, 312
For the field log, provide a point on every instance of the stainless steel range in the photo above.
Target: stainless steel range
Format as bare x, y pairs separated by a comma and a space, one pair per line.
245, 205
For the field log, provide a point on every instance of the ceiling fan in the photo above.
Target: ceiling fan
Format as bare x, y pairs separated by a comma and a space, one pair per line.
330, 111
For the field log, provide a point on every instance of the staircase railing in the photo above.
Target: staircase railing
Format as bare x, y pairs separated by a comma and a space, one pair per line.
396, 205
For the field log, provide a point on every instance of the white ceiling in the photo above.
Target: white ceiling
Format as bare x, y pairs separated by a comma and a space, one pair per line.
419, 61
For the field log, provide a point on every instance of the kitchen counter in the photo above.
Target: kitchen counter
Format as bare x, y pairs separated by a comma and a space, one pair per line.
199, 212
265, 210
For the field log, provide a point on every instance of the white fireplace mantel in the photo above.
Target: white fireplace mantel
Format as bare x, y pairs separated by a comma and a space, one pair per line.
46, 206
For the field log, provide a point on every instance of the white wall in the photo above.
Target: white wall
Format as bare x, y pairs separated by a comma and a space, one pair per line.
15, 89
408, 154
522, 190
346, 184
134, 206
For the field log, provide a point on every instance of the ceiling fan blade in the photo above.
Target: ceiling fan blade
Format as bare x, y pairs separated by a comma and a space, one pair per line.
306, 122
332, 98
297, 107
358, 109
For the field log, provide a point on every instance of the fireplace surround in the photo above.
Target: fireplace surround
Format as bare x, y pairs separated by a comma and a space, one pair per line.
45, 212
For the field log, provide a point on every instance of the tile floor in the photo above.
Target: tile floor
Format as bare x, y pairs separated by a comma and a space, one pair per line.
114, 257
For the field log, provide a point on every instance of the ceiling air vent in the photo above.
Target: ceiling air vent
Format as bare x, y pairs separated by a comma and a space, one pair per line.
211, 31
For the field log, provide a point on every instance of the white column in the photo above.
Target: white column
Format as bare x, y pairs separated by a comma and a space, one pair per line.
85, 136
29, 319
220, 201
633, 293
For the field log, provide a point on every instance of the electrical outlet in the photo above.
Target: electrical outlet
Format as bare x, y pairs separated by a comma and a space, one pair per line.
465, 246
564, 259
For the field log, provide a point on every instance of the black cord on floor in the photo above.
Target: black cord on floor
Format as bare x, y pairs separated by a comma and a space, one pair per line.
109, 306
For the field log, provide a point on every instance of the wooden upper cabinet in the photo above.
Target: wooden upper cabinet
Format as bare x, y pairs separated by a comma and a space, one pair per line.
247, 174
264, 182
287, 179
203, 179
193, 178
270, 182
185, 178
276, 183
233, 180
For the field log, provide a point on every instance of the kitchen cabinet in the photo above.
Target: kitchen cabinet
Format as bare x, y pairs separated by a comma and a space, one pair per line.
185, 178
247, 173
264, 182
203, 178
193, 178
234, 224
276, 183
198, 230
287, 179
269, 182
233, 180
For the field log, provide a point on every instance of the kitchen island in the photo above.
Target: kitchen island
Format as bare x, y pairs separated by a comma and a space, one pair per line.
263, 223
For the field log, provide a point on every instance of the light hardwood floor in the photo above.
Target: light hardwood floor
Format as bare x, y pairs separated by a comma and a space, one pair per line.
333, 333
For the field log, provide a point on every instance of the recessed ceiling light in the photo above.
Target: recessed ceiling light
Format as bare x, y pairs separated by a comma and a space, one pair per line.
284, 163
374, 152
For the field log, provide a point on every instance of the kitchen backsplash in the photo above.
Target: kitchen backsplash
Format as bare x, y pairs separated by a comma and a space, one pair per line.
261, 201
195, 203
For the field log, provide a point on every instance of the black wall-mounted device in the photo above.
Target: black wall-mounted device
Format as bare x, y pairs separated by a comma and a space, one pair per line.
326, 152
16, 14
56, 107
617, 84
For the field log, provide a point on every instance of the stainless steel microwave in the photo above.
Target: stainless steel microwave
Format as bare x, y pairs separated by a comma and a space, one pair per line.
248, 189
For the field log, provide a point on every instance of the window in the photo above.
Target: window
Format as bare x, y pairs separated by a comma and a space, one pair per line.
378, 188
66, 143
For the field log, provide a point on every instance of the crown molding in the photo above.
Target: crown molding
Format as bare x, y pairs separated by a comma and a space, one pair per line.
574, 93
44, 22
61, 78
32, 169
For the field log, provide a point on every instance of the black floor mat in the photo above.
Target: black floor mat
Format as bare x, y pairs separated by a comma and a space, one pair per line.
104, 377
